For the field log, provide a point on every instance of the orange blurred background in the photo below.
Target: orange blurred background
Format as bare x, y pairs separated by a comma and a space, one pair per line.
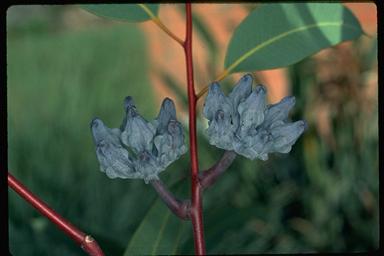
221, 20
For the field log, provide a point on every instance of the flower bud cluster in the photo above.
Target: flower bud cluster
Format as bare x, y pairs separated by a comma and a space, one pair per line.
139, 149
243, 122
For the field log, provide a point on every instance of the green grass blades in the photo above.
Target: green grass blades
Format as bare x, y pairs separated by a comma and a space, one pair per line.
57, 82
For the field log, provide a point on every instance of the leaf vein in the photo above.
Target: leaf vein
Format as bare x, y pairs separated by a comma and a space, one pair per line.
285, 34
163, 225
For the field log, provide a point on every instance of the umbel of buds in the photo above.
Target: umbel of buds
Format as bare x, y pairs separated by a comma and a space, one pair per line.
244, 123
139, 149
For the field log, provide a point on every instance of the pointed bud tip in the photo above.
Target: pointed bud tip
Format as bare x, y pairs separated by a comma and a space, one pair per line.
304, 125
96, 122
247, 78
129, 106
167, 102
260, 89
215, 86
291, 100
128, 103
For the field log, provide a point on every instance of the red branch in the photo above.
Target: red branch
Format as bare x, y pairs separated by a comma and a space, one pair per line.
209, 177
196, 208
86, 242
180, 208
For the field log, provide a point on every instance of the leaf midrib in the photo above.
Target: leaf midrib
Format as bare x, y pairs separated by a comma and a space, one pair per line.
147, 10
285, 34
159, 236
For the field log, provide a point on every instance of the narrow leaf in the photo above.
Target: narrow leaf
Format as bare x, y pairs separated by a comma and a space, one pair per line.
124, 12
277, 35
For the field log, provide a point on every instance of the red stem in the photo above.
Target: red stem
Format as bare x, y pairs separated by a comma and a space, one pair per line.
86, 242
209, 177
178, 207
196, 207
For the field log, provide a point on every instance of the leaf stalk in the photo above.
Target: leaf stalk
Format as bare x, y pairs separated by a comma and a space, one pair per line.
160, 24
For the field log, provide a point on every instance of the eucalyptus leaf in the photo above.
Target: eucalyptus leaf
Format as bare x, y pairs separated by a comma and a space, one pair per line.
160, 231
124, 12
277, 35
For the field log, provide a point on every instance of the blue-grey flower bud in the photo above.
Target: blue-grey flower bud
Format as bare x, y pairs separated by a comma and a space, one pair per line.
154, 145
221, 131
167, 113
223, 118
147, 166
244, 123
285, 135
170, 145
128, 106
279, 111
137, 133
242, 90
216, 100
169, 140
114, 159
252, 110
176, 131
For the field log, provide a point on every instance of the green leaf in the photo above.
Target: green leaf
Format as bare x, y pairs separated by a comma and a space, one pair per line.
124, 12
277, 35
160, 232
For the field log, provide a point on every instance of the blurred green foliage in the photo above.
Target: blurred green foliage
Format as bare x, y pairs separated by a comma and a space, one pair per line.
320, 197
